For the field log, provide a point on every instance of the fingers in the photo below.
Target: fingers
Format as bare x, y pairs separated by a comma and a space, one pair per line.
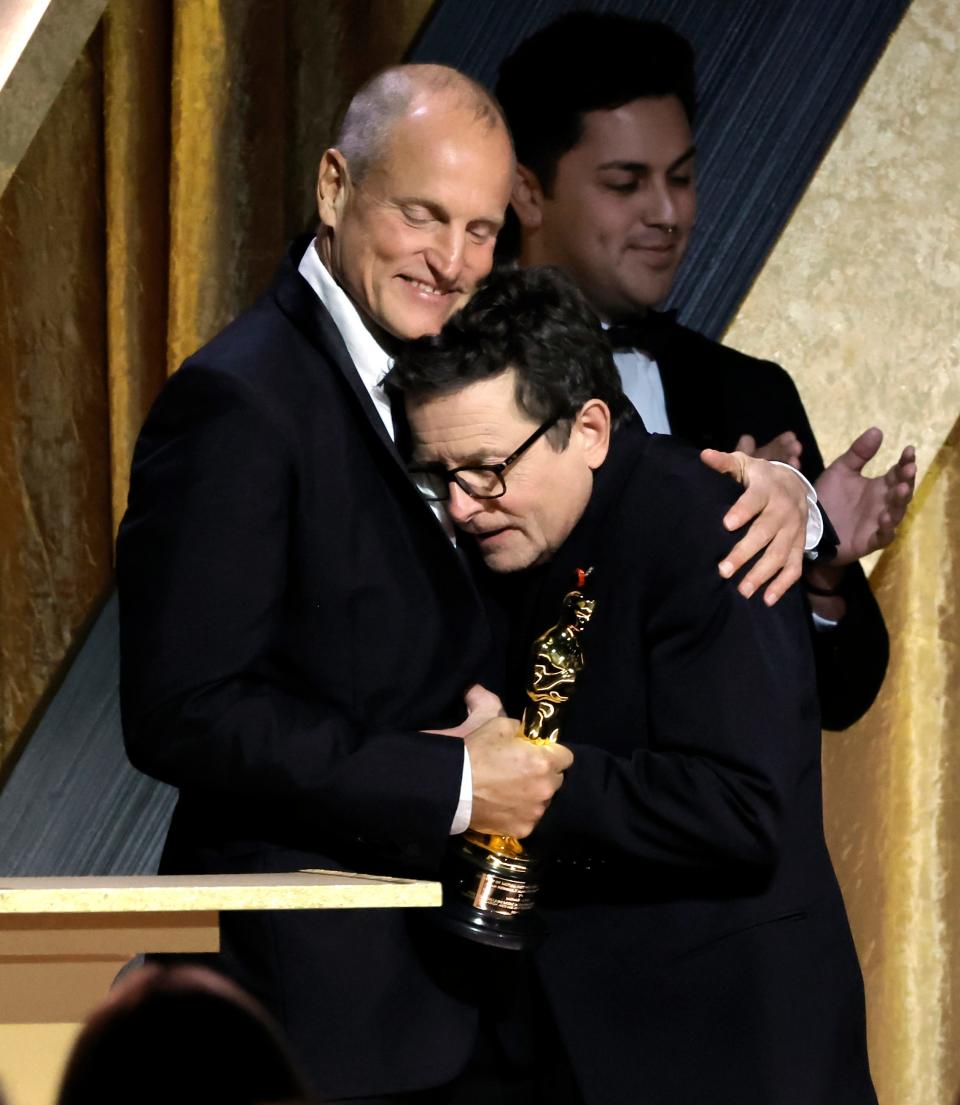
780, 565
480, 701
896, 501
866, 511
770, 490
785, 447
902, 476
750, 505
482, 705
727, 464
560, 757
899, 481
907, 458
776, 501
886, 531
513, 779
779, 568
896, 505
493, 733
862, 449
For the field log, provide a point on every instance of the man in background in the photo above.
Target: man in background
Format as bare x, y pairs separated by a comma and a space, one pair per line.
601, 108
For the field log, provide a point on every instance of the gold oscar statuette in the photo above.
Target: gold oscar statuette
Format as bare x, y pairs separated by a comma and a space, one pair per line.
490, 882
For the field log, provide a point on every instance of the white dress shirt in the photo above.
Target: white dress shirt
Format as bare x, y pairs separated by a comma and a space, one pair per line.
372, 364
642, 385
370, 360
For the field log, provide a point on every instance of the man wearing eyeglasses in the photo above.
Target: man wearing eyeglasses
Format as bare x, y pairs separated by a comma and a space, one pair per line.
696, 947
298, 632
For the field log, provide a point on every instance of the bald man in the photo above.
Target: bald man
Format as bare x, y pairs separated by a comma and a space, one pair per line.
297, 629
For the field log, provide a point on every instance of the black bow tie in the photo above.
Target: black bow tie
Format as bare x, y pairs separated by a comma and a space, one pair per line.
647, 332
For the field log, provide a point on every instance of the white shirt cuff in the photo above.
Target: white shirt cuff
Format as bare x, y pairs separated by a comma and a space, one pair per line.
461, 819
814, 518
822, 624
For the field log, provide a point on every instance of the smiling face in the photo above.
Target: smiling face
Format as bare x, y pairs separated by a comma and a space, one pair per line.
411, 240
547, 491
621, 208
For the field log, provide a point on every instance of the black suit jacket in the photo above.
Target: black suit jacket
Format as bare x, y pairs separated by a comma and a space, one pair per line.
292, 615
714, 395
697, 948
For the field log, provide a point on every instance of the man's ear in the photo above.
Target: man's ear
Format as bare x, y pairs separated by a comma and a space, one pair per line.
527, 198
593, 424
333, 187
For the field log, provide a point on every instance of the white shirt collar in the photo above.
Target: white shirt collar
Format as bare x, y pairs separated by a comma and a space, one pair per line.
370, 360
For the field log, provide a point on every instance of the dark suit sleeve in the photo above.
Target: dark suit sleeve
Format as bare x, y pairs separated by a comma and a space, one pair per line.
852, 658
202, 577
731, 715
716, 394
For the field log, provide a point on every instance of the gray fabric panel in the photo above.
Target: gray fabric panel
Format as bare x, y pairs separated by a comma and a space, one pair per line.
776, 80
73, 805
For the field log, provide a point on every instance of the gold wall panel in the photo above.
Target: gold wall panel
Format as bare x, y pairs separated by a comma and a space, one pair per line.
860, 299
55, 534
136, 77
892, 795
39, 45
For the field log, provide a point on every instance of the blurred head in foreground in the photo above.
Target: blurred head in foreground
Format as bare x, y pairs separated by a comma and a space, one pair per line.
179, 1035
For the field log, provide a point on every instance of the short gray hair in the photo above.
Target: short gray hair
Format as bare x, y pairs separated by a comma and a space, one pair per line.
389, 95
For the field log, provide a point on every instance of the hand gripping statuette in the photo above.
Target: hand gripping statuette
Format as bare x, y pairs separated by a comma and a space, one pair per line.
491, 881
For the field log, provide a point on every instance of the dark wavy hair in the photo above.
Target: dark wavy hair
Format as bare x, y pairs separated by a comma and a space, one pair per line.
535, 321
584, 61
587, 61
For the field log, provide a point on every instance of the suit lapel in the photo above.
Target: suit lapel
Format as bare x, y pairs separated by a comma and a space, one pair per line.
690, 390
300, 304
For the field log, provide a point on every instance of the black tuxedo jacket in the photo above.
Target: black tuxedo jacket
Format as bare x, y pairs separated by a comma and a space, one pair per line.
697, 948
714, 395
292, 615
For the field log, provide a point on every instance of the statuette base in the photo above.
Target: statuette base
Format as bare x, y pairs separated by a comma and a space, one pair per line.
489, 897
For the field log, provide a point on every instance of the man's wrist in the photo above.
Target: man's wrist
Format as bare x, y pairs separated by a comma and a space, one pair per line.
814, 520
823, 584
823, 578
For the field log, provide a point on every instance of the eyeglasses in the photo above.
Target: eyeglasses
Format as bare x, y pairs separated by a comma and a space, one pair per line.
480, 481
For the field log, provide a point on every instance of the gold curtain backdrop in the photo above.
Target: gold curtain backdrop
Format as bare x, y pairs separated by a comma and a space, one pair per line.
136, 79
892, 796
151, 207
154, 203
859, 299
55, 528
